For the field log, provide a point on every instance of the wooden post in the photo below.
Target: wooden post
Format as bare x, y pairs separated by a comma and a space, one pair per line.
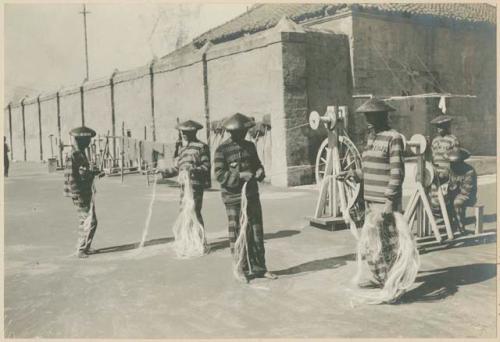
205, 93
82, 105
10, 132
24, 128
152, 90
123, 148
40, 126
51, 146
478, 214
145, 133
60, 146
113, 124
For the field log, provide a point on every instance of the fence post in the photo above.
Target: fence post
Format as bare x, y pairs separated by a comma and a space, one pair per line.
10, 131
24, 128
40, 126
82, 105
123, 149
205, 91
152, 88
113, 124
60, 145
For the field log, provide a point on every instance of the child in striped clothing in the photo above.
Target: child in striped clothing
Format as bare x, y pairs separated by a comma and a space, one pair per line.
78, 184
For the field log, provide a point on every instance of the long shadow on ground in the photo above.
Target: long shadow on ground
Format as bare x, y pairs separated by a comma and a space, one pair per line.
214, 246
133, 245
471, 240
441, 283
318, 265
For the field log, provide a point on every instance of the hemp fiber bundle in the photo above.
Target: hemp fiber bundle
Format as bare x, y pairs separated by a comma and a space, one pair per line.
240, 246
405, 263
189, 233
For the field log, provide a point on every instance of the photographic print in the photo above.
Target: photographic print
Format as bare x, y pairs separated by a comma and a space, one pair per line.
250, 170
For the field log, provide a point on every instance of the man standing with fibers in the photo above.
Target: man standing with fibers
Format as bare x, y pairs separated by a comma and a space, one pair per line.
382, 175
192, 156
237, 167
79, 185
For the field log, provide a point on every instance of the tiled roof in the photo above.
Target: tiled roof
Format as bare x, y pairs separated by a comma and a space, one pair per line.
264, 16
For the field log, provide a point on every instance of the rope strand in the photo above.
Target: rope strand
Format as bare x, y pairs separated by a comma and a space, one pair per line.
241, 244
189, 233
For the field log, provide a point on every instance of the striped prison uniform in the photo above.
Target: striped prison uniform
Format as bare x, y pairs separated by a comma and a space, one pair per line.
440, 147
383, 175
78, 183
195, 156
462, 190
383, 167
231, 158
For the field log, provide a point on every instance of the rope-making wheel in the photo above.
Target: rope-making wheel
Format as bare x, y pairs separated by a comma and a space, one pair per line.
349, 156
349, 159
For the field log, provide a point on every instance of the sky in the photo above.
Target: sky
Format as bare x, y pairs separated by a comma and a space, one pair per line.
44, 43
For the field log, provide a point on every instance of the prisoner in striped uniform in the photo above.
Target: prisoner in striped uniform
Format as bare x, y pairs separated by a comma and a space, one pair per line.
236, 162
382, 175
193, 156
462, 186
78, 184
443, 144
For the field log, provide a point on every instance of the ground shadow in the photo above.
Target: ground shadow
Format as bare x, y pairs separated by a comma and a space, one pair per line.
441, 283
133, 245
471, 240
318, 265
222, 244
174, 184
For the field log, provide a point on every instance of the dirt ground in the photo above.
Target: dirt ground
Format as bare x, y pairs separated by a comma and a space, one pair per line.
122, 292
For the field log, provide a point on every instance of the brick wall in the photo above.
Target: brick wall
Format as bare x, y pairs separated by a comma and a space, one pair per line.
316, 73
396, 57
246, 76
391, 55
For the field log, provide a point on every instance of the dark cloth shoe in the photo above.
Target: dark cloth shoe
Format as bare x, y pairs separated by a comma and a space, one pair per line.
90, 251
82, 255
269, 275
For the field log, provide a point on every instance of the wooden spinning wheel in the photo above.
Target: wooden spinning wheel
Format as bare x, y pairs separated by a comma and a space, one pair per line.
337, 153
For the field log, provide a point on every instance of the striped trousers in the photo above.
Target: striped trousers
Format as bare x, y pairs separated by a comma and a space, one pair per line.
87, 223
255, 234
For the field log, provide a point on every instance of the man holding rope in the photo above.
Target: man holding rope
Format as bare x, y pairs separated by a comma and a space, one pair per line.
382, 175
237, 167
79, 185
193, 156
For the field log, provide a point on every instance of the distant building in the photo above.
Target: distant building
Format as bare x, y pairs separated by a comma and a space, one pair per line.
286, 60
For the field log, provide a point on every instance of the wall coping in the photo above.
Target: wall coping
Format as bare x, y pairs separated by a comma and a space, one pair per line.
426, 20
262, 39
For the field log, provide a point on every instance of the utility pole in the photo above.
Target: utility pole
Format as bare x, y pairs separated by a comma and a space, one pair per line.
85, 12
